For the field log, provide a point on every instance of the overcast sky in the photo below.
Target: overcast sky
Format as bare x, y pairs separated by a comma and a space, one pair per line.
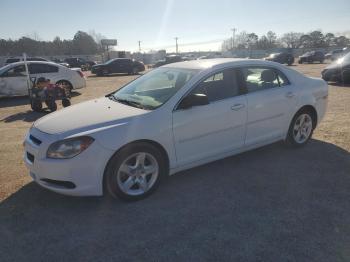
204, 23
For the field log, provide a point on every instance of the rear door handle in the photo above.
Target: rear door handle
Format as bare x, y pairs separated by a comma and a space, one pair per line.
290, 95
237, 107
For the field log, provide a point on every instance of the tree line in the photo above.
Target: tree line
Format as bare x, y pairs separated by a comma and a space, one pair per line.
82, 44
315, 39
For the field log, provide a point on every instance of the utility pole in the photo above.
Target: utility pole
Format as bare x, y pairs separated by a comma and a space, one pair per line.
177, 47
139, 46
233, 37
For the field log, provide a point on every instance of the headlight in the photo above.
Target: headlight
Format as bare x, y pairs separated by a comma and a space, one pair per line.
69, 148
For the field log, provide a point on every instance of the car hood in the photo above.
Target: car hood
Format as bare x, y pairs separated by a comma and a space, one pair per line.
86, 116
334, 65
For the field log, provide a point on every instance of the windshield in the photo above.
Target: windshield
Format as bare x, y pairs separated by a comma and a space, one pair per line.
309, 53
274, 55
154, 88
344, 59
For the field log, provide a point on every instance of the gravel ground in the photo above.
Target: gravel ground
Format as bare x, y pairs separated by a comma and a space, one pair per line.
269, 204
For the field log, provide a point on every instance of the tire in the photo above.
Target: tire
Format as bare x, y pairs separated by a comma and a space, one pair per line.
290, 61
36, 105
126, 173
51, 104
300, 129
65, 102
135, 71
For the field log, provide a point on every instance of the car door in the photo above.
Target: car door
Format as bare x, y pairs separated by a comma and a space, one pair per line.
125, 66
270, 100
13, 82
205, 131
115, 66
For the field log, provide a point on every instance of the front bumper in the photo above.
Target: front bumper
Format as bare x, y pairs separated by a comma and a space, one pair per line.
331, 75
79, 176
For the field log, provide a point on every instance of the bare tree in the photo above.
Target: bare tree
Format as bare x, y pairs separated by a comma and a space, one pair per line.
291, 39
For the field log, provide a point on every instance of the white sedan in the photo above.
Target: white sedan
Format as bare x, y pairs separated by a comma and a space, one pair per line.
173, 118
13, 78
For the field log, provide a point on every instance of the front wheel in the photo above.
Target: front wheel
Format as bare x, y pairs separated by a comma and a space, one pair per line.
135, 71
300, 129
135, 171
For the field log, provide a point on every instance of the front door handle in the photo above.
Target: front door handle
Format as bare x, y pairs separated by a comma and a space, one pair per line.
290, 95
237, 107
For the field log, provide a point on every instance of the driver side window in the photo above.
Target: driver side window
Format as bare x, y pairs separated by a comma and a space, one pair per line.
219, 86
15, 71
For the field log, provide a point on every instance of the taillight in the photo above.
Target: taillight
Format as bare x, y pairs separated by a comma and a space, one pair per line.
80, 73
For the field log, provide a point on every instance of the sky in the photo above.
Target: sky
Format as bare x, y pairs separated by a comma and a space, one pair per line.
199, 25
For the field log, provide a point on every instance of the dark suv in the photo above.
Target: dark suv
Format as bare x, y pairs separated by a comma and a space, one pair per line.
118, 65
282, 58
79, 62
311, 57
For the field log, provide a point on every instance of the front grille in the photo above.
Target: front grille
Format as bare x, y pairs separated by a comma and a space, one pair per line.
35, 140
30, 157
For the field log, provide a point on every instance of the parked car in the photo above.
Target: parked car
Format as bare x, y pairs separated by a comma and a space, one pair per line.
18, 59
282, 58
168, 60
118, 65
334, 55
79, 63
338, 71
310, 57
60, 62
13, 78
170, 119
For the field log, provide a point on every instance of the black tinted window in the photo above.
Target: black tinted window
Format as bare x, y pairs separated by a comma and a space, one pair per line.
12, 60
42, 68
219, 86
261, 78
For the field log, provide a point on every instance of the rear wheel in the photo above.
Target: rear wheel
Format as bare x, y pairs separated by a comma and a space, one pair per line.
135, 172
51, 104
300, 129
66, 86
36, 105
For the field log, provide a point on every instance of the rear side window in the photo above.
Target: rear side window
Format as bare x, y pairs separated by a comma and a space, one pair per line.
219, 86
261, 78
12, 60
42, 69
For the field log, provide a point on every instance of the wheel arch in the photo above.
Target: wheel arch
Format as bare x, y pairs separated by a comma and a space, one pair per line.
147, 141
312, 111
65, 80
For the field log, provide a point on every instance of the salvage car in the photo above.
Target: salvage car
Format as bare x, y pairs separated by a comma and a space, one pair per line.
118, 65
170, 119
312, 56
338, 71
282, 58
13, 77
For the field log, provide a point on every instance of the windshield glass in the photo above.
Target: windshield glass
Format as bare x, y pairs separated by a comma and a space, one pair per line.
154, 88
344, 59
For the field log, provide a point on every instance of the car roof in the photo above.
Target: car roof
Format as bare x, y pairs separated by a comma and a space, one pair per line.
35, 62
203, 64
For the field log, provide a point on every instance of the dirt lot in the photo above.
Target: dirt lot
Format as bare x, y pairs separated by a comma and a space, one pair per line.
270, 204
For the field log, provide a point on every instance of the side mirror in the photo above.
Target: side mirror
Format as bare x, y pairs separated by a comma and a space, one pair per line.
193, 100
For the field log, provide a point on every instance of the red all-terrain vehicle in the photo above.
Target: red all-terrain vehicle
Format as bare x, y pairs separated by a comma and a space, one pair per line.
43, 91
